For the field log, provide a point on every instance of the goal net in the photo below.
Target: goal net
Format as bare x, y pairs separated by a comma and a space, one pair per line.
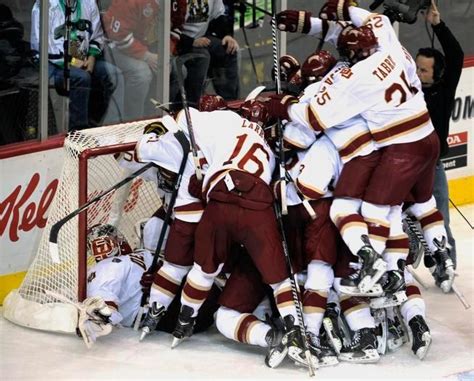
90, 167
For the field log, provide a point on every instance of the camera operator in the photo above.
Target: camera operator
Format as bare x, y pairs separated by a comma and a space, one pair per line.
440, 75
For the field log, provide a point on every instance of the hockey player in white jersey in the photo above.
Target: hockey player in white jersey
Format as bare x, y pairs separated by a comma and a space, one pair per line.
395, 112
116, 275
239, 208
166, 151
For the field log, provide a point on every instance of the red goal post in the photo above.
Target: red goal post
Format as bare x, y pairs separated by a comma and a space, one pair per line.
90, 167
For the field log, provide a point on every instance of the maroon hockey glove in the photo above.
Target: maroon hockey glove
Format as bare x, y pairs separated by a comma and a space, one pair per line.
195, 187
336, 10
294, 21
278, 105
146, 281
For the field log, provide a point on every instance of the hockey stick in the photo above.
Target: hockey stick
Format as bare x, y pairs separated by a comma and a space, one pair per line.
419, 235
295, 291
178, 65
416, 277
181, 138
53, 234
462, 215
276, 69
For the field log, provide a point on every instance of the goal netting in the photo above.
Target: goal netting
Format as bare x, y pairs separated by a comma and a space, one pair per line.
90, 167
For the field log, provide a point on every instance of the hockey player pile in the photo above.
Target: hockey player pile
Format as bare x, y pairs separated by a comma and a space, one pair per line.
314, 269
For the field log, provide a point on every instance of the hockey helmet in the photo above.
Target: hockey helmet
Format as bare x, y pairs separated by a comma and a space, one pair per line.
356, 43
105, 240
209, 102
255, 111
317, 65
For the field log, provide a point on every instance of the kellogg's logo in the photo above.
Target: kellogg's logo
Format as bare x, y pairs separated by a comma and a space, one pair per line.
18, 213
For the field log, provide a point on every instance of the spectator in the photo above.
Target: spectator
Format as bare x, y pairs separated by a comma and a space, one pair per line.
439, 76
208, 31
87, 68
131, 26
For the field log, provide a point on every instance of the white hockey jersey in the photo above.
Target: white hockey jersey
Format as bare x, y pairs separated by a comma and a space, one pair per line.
319, 170
117, 281
167, 152
352, 137
381, 88
229, 142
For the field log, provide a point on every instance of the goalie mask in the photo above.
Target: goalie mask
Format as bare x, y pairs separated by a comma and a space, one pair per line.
211, 103
104, 241
356, 44
316, 66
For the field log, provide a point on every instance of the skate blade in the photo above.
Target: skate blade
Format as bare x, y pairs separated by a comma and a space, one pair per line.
298, 356
376, 290
176, 342
145, 331
368, 282
370, 356
423, 351
389, 301
335, 342
276, 359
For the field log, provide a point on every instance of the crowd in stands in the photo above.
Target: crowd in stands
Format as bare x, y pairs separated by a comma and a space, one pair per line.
111, 73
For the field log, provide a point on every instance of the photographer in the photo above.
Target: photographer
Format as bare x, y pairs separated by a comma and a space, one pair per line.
439, 75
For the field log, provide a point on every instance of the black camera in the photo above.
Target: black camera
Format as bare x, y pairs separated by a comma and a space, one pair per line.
401, 10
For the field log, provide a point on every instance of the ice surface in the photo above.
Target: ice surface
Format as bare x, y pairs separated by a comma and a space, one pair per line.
30, 354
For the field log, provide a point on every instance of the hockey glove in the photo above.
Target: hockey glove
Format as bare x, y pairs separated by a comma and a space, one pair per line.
294, 21
278, 105
335, 10
94, 320
146, 281
195, 187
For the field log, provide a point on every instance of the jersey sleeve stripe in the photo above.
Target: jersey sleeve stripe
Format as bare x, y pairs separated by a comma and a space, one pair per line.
313, 120
308, 191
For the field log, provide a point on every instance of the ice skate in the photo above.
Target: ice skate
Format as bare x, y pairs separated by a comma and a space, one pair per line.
184, 326
393, 285
381, 329
396, 334
319, 347
444, 270
373, 266
421, 336
295, 344
152, 318
332, 329
277, 346
363, 348
350, 286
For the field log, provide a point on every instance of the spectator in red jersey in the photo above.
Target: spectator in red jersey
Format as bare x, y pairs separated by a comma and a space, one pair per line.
131, 26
